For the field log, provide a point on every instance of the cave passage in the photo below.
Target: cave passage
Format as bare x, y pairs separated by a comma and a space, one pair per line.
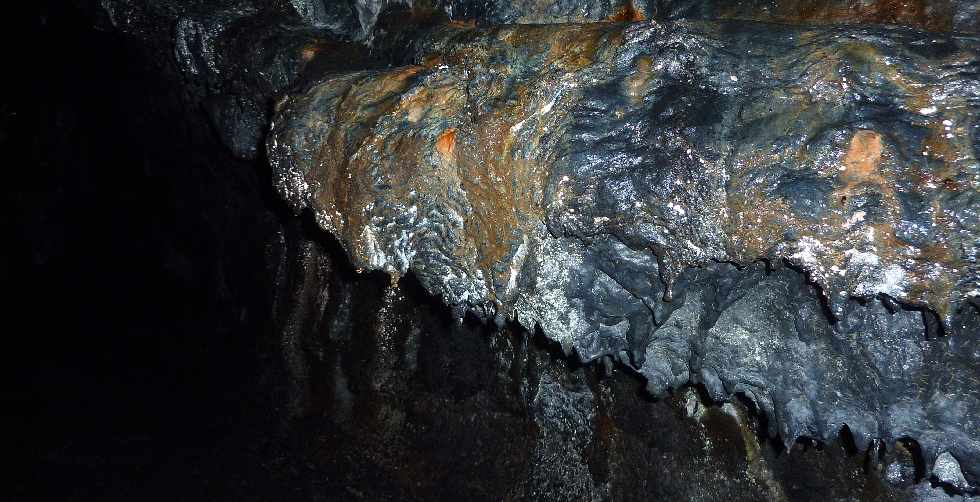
494, 250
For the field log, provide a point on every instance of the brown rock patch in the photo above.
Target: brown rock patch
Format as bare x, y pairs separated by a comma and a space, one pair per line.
446, 143
862, 158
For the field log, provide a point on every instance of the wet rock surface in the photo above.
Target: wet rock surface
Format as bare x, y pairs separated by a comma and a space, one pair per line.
676, 250
591, 180
391, 398
665, 141
951, 15
415, 405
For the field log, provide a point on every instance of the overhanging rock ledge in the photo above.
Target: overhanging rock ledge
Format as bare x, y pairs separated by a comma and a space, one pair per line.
789, 213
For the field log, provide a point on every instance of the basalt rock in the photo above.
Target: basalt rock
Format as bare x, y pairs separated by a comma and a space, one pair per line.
787, 213
931, 15
235, 56
238, 54
399, 402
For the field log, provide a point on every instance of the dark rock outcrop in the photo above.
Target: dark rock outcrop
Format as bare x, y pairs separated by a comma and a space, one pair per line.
412, 405
776, 202
929, 15
235, 56
570, 176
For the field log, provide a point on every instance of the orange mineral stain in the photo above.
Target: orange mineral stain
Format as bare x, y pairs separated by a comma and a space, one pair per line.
446, 143
862, 158
628, 13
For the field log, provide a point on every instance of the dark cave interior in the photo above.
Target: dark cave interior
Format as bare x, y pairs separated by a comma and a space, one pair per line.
183, 334
140, 229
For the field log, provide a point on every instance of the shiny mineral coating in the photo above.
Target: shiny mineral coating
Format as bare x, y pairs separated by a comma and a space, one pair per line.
825, 148
784, 123
931, 15
543, 11
572, 176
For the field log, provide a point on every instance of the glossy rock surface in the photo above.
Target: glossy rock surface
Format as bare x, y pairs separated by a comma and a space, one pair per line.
774, 202
405, 403
570, 176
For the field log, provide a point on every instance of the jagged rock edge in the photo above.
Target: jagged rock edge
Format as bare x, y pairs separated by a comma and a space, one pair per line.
624, 361
296, 189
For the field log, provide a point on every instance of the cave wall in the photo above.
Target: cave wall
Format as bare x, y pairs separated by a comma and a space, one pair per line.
192, 337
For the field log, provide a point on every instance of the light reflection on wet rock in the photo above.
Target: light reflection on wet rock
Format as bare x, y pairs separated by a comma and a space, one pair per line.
597, 181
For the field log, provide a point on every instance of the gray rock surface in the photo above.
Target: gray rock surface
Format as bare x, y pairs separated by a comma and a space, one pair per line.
932, 15
236, 56
947, 470
597, 180
785, 213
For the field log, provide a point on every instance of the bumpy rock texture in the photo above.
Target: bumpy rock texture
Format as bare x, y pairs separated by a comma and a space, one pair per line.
409, 405
931, 15
777, 201
597, 181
